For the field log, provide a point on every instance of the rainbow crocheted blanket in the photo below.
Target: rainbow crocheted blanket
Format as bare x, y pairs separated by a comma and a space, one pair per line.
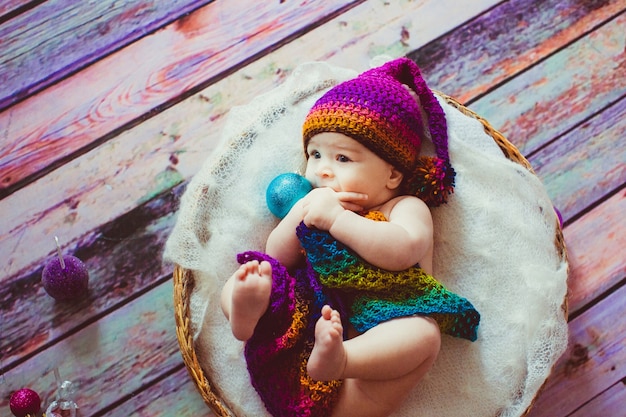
279, 349
381, 295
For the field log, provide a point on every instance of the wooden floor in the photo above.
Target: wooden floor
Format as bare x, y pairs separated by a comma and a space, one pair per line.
108, 108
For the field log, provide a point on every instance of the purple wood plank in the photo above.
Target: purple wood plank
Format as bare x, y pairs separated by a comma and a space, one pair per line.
60, 37
557, 94
44, 131
496, 46
123, 259
12, 8
596, 243
111, 359
569, 165
594, 361
609, 403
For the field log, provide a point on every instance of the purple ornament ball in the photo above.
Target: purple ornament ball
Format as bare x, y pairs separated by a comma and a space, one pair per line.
25, 401
66, 284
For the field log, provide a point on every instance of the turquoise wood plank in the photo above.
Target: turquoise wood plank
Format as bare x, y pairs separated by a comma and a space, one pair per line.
176, 395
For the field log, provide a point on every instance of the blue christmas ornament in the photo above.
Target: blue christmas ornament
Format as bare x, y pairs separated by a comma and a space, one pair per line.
284, 191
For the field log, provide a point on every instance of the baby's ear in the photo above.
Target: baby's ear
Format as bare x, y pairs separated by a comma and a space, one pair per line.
395, 179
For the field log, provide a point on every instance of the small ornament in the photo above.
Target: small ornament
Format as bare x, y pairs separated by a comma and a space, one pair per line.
25, 401
65, 278
63, 406
284, 191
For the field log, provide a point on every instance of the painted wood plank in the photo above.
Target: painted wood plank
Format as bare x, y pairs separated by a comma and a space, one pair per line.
123, 259
172, 145
110, 359
571, 162
595, 244
176, 395
59, 37
13, 6
610, 403
469, 61
557, 94
595, 359
124, 86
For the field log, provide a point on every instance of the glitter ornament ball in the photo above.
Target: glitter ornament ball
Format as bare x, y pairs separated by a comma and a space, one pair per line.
25, 401
284, 191
65, 284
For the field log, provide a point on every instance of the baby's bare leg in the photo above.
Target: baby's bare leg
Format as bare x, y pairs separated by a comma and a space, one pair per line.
245, 297
382, 365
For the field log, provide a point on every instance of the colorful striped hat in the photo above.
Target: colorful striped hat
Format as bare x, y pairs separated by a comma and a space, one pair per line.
378, 110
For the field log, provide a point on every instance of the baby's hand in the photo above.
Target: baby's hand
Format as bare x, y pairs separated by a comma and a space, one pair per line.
322, 206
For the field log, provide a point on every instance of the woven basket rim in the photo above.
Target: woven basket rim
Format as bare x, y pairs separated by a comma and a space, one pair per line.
184, 282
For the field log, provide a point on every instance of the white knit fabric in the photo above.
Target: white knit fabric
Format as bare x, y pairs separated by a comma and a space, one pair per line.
494, 245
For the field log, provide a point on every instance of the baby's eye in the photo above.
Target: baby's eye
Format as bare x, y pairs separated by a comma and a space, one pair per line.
343, 158
314, 154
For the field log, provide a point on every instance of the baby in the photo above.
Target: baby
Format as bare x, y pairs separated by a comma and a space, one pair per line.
360, 244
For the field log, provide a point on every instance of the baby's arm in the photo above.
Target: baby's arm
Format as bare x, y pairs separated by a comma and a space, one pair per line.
402, 242
282, 243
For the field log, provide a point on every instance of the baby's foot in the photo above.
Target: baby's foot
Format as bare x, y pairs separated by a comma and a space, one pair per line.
252, 286
328, 358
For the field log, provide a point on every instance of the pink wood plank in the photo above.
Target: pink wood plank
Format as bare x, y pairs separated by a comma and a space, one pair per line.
50, 126
12, 6
59, 37
610, 403
469, 61
594, 362
572, 184
125, 351
596, 245
109, 181
561, 92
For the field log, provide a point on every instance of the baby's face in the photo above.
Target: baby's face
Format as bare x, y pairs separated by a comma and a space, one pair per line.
343, 164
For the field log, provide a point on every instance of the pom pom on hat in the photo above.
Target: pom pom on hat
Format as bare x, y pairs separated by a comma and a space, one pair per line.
378, 110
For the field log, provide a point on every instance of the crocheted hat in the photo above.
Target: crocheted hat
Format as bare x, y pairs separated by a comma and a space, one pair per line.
378, 110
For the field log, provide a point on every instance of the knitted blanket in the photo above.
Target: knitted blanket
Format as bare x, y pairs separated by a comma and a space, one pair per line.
381, 295
279, 349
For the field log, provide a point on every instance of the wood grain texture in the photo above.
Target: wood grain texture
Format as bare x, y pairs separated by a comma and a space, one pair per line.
101, 158
560, 164
596, 245
71, 35
469, 62
172, 145
12, 7
558, 93
594, 362
126, 86
175, 395
111, 358
124, 261
609, 403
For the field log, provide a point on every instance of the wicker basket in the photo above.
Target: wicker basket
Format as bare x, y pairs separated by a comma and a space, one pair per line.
184, 282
